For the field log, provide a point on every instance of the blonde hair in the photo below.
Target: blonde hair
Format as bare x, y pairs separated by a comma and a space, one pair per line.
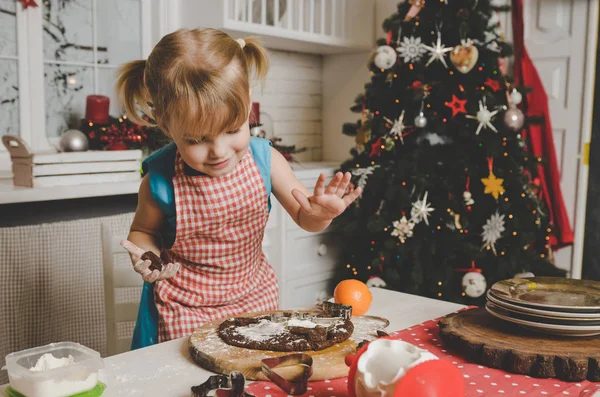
194, 83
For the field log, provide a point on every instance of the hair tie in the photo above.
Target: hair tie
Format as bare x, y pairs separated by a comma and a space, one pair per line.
241, 42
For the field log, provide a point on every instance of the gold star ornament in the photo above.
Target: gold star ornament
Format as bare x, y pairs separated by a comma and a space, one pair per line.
493, 185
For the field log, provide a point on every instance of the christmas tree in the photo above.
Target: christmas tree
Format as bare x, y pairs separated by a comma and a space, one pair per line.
451, 201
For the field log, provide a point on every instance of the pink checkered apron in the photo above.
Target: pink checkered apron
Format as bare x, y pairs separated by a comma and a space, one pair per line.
219, 233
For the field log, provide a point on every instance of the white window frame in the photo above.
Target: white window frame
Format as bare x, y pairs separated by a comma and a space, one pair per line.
158, 17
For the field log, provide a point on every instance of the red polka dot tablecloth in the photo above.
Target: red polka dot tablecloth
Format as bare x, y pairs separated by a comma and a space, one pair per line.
479, 380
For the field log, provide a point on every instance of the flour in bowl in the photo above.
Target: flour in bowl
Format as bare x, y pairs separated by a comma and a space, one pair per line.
48, 362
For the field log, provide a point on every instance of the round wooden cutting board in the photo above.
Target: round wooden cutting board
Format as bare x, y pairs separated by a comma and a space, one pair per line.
210, 352
481, 338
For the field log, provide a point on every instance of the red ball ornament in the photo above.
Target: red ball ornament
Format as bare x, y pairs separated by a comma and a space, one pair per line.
435, 378
416, 85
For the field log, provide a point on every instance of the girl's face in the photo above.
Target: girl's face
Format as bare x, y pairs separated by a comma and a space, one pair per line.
216, 156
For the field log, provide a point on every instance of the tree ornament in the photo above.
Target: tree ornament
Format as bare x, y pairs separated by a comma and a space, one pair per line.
420, 210
492, 184
397, 126
362, 137
385, 57
457, 105
484, 117
389, 143
415, 9
363, 175
73, 141
376, 148
474, 284
514, 118
516, 97
376, 282
437, 51
420, 119
492, 231
456, 225
403, 228
468, 198
465, 56
494, 85
411, 49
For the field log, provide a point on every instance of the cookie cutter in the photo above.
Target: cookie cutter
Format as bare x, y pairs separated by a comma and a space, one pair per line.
223, 386
294, 383
337, 310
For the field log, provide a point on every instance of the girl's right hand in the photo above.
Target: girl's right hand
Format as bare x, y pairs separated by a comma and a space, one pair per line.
142, 266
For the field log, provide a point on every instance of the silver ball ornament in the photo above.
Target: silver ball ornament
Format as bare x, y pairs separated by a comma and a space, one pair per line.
385, 57
514, 118
73, 141
516, 97
421, 120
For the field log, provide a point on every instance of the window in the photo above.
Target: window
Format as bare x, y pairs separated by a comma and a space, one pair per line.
54, 55
9, 63
84, 41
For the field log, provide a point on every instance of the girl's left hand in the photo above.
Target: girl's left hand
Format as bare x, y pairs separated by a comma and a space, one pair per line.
328, 202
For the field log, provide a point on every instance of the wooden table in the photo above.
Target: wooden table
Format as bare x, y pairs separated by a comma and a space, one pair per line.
166, 369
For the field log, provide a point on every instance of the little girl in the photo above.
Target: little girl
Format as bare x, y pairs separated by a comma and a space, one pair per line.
205, 198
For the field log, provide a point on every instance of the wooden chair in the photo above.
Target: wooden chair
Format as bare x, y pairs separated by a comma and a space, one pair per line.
117, 277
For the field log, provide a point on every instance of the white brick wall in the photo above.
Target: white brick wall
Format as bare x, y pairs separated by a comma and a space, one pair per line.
292, 96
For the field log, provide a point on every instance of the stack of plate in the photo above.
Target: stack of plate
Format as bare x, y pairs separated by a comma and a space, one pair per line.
552, 305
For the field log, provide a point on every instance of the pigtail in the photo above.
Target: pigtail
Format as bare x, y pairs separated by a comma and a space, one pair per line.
132, 93
256, 58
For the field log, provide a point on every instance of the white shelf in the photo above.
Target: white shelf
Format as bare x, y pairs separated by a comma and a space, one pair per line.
311, 26
10, 194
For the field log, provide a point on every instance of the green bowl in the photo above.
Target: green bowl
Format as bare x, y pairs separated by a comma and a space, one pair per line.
95, 392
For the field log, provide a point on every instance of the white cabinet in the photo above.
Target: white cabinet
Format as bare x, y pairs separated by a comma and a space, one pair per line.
315, 26
304, 262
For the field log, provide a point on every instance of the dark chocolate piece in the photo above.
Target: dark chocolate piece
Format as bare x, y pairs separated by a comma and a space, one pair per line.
157, 263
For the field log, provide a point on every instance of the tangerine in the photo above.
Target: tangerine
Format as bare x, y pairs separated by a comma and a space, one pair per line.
353, 293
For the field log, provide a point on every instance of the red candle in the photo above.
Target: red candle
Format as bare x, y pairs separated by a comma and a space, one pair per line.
255, 114
96, 109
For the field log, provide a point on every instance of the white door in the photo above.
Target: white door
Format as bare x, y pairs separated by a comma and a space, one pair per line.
560, 36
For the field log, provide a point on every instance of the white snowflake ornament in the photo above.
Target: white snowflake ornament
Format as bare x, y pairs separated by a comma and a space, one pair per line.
403, 229
411, 49
421, 210
437, 51
385, 57
397, 126
484, 117
492, 231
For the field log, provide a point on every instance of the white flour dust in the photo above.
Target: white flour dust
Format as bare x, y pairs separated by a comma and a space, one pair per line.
294, 322
261, 331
